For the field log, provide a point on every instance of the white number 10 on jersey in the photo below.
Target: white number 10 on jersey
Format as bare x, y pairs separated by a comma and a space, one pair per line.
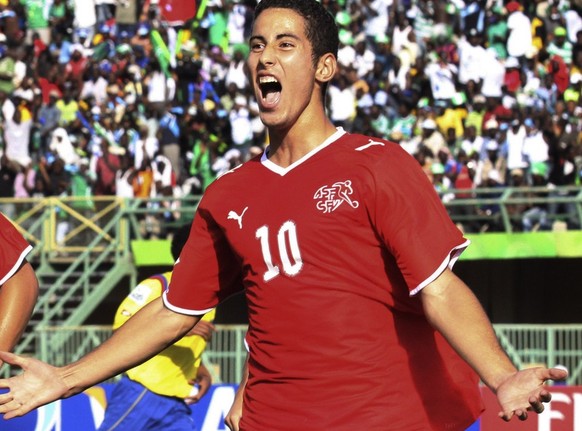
287, 243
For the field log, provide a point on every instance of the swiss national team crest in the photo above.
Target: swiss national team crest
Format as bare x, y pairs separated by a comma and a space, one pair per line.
329, 198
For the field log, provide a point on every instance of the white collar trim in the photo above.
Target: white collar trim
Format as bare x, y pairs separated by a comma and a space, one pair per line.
282, 171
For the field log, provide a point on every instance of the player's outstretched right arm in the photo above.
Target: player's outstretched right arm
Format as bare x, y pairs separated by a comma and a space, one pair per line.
145, 334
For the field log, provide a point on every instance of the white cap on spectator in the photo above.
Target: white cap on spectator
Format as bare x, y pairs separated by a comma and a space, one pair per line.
491, 124
511, 62
429, 123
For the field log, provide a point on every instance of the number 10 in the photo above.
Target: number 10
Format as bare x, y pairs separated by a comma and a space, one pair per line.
287, 242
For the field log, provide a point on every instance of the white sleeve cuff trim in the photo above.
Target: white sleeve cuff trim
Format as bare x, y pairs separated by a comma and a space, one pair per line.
184, 310
449, 262
16, 265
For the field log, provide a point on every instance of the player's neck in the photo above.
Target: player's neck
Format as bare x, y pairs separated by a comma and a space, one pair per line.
287, 147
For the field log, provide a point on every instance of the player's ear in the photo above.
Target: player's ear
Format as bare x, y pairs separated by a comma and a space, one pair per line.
326, 68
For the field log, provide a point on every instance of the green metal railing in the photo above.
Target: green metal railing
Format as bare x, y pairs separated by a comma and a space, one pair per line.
81, 252
505, 207
526, 345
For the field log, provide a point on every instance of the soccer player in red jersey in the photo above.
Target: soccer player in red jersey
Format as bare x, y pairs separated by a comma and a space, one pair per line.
18, 285
344, 251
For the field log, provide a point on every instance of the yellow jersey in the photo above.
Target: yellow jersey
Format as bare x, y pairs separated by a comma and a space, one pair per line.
169, 372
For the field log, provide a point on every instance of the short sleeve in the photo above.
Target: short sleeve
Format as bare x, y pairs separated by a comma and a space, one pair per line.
412, 221
13, 249
207, 270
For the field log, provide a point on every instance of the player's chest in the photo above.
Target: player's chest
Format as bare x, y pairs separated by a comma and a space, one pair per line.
288, 218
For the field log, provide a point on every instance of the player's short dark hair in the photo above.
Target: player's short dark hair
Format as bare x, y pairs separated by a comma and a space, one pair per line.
320, 27
179, 239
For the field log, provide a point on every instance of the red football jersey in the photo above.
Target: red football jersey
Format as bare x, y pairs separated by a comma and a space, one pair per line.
13, 250
330, 252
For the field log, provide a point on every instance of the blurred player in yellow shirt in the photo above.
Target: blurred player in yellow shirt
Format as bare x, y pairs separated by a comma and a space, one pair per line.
156, 394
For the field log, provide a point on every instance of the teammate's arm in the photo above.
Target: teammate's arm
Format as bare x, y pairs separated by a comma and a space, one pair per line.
145, 334
453, 310
17, 298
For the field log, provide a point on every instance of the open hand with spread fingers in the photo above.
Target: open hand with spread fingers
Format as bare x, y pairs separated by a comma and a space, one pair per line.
525, 391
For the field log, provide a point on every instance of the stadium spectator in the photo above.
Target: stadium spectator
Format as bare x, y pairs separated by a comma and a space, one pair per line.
519, 37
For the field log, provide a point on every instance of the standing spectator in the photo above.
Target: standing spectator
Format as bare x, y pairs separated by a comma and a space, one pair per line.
17, 128
75, 67
560, 45
513, 147
443, 76
376, 14
68, 107
49, 117
8, 71
493, 75
342, 102
60, 49
497, 32
472, 59
236, 71
472, 142
49, 81
146, 146
161, 89
492, 159
169, 141
8, 171
535, 147
519, 39
365, 57
241, 126
105, 165
236, 23
37, 19
431, 137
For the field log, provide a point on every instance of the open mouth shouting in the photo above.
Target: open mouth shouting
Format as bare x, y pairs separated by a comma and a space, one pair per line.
270, 91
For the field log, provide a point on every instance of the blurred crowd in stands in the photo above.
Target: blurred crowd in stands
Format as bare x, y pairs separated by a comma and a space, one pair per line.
111, 97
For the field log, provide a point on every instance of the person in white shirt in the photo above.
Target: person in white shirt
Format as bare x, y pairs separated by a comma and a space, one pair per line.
365, 57
493, 74
535, 147
513, 147
519, 40
472, 58
241, 126
342, 102
442, 76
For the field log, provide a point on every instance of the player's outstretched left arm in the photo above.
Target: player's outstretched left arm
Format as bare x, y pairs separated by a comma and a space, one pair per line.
145, 334
452, 308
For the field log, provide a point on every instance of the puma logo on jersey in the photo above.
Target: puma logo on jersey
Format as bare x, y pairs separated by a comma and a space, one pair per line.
369, 144
329, 198
234, 216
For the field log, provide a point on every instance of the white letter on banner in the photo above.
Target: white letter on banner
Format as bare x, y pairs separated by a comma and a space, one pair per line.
545, 419
222, 399
577, 412
49, 417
